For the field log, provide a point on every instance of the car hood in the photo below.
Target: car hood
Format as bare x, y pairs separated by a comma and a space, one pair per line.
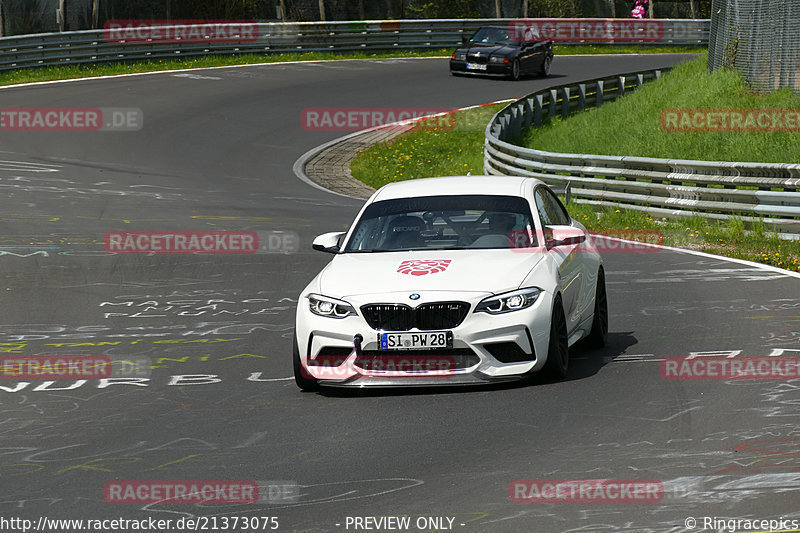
490, 271
484, 51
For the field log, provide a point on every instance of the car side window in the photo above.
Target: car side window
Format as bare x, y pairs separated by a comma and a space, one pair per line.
550, 209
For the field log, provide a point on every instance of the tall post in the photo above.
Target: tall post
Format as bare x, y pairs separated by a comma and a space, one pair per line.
322, 10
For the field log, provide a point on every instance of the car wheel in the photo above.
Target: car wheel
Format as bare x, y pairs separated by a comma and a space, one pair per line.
305, 383
558, 350
548, 61
599, 335
515, 70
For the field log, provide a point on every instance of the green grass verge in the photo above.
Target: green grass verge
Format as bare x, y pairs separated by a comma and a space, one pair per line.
631, 125
132, 67
442, 152
430, 152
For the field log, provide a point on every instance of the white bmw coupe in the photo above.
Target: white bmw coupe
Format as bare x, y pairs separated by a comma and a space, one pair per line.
453, 280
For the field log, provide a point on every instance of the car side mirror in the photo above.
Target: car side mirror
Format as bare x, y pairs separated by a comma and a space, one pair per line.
563, 236
464, 40
328, 242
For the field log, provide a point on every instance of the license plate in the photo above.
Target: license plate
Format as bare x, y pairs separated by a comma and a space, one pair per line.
416, 341
476, 66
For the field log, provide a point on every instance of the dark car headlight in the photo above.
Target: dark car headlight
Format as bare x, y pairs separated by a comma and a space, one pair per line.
498, 59
509, 301
460, 56
329, 307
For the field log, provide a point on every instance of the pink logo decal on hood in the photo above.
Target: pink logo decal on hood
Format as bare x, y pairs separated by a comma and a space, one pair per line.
421, 267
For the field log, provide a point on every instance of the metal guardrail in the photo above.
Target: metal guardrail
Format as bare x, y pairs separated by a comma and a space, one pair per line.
662, 187
93, 46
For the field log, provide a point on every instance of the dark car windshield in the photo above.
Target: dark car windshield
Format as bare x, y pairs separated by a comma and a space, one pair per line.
491, 36
444, 223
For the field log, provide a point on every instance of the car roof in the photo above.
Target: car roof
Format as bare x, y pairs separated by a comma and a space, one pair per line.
456, 185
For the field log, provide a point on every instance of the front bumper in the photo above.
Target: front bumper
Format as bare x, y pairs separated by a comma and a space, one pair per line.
492, 69
485, 348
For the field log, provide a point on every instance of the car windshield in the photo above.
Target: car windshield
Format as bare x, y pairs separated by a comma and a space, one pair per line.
444, 223
491, 36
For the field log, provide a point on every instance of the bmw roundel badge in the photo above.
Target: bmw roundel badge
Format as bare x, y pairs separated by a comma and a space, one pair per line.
414, 296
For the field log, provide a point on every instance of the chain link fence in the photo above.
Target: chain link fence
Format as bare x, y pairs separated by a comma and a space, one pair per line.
759, 38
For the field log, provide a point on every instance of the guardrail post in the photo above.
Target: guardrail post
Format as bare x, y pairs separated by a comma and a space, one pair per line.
527, 114
581, 96
516, 121
553, 98
599, 95
537, 110
565, 102
639, 80
621, 81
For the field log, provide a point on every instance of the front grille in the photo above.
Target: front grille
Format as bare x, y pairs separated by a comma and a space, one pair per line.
400, 317
389, 317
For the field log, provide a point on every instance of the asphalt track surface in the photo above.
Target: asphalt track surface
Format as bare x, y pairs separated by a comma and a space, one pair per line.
216, 152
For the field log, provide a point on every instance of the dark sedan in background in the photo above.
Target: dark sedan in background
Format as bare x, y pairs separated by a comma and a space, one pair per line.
492, 51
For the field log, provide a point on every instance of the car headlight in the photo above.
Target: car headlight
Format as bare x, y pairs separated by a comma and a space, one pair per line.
508, 302
498, 59
330, 307
460, 56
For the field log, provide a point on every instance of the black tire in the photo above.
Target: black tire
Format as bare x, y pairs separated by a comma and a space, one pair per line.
546, 64
598, 337
557, 364
515, 70
305, 383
